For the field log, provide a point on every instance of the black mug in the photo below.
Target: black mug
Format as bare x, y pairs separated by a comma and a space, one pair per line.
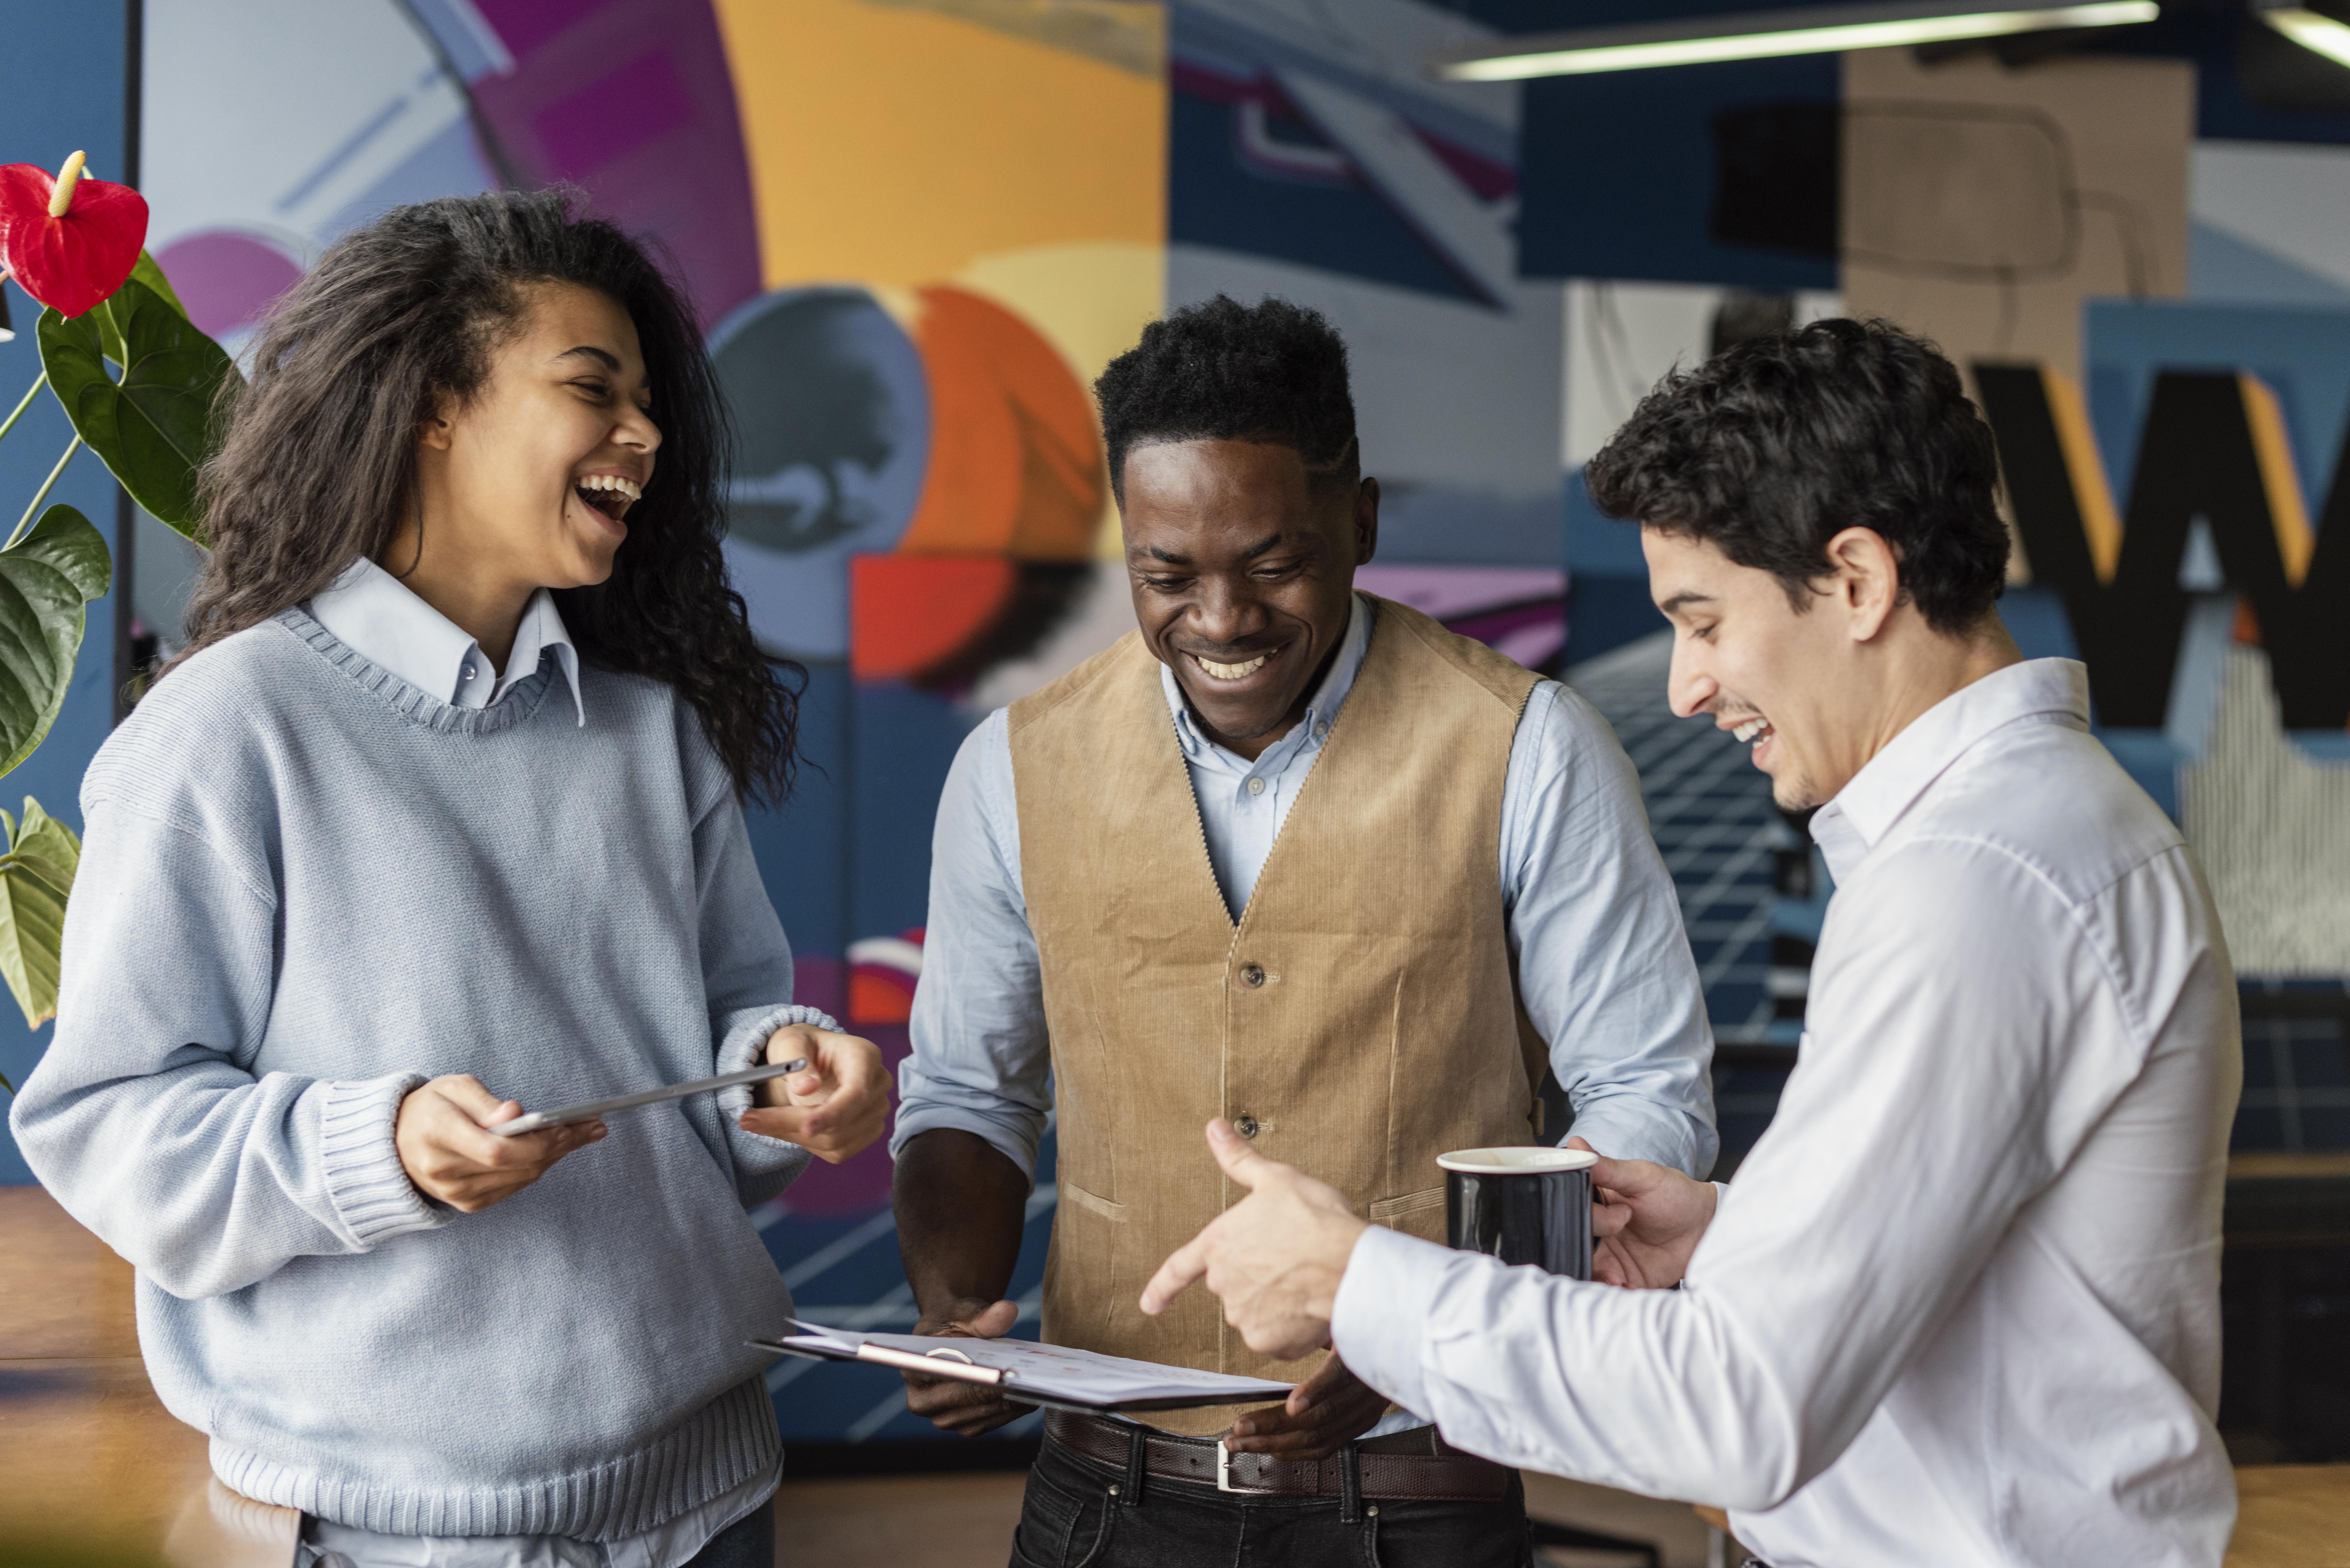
1522, 1206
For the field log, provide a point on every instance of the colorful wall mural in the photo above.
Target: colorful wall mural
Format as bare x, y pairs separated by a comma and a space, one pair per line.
916, 229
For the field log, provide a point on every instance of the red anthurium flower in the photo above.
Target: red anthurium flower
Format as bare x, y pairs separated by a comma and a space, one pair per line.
69, 241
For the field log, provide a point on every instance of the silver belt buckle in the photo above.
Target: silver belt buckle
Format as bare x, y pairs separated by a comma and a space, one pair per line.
1224, 1468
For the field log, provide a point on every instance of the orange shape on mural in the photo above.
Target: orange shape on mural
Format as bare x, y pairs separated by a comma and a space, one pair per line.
878, 995
1015, 464
910, 613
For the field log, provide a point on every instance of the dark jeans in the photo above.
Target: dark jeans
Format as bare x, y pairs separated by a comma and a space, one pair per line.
748, 1542
1069, 1519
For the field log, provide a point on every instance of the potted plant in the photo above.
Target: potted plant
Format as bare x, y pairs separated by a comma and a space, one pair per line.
138, 384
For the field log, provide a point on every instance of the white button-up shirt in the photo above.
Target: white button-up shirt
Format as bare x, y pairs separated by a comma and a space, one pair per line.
1961, 1305
387, 623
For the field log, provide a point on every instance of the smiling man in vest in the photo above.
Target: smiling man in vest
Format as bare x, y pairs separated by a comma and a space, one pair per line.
1294, 856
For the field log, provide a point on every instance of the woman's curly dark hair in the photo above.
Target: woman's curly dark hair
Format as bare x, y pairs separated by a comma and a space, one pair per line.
318, 463
1771, 449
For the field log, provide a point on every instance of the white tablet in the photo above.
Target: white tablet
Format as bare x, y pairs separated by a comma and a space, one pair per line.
540, 1121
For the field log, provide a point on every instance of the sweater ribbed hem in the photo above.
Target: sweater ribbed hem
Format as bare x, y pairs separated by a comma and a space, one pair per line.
726, 1443
365, 1181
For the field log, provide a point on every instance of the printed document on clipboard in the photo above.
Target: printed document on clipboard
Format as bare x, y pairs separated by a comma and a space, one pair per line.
1053, 1375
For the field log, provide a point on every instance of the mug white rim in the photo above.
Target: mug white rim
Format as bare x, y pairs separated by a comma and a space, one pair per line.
1525, 1160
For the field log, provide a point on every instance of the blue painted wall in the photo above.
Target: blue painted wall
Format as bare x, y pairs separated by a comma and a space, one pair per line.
64, 81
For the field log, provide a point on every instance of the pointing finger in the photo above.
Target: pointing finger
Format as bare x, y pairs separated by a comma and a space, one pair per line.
1175, 1276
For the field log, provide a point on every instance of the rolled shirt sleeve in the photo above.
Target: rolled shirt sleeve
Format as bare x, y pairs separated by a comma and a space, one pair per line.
1604, 962
980, 1060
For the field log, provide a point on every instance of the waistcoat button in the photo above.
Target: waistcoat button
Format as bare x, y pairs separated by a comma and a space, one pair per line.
1251, 975
1246, 1126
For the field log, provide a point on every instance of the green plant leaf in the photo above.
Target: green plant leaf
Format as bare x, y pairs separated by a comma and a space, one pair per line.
43, 839
35, 879
67, 540
155, 427
145, 271
41, 632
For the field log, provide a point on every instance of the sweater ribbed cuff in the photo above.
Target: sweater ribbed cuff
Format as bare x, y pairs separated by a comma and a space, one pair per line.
745, 1045
365, 1181
764, 1165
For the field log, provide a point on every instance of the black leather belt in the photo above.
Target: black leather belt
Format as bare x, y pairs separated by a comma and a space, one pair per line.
1399, 1478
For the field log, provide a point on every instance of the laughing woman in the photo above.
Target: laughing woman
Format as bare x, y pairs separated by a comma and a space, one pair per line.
439, 818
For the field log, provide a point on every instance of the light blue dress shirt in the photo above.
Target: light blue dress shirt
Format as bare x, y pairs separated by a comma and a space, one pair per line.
373, 611
1604, 963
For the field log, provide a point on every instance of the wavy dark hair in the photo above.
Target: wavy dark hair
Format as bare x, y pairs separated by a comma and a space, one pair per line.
1772, 448
318, 463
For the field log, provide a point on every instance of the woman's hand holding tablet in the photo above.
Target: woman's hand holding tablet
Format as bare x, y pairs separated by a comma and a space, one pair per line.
442, 1134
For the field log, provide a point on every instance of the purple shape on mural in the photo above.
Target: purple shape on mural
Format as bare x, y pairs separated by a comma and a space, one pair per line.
1517, 610
523, 24
821, 980
590, 128
227, 278
654, 136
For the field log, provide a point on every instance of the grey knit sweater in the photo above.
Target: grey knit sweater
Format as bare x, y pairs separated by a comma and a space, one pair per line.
306, 888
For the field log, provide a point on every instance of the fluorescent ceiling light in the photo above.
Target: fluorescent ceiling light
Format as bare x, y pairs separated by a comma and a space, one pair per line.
1765, 34
2319, 33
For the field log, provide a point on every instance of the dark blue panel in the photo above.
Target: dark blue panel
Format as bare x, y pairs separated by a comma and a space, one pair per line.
1604, 613
1596, 543
1617, 173
2223, 111
902, 741
2035, 618
1213, 199
64, 86
803, 845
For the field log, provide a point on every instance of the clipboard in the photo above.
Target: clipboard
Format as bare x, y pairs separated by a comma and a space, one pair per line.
1054, 1378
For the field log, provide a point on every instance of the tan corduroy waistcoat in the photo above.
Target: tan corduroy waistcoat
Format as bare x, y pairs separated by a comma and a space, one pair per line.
1362, 1012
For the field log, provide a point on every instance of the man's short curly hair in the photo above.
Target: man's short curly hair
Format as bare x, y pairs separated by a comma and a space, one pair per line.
1272, 371
1773, 448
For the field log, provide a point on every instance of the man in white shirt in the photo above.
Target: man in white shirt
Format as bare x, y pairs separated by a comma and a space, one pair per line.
1961, 1305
